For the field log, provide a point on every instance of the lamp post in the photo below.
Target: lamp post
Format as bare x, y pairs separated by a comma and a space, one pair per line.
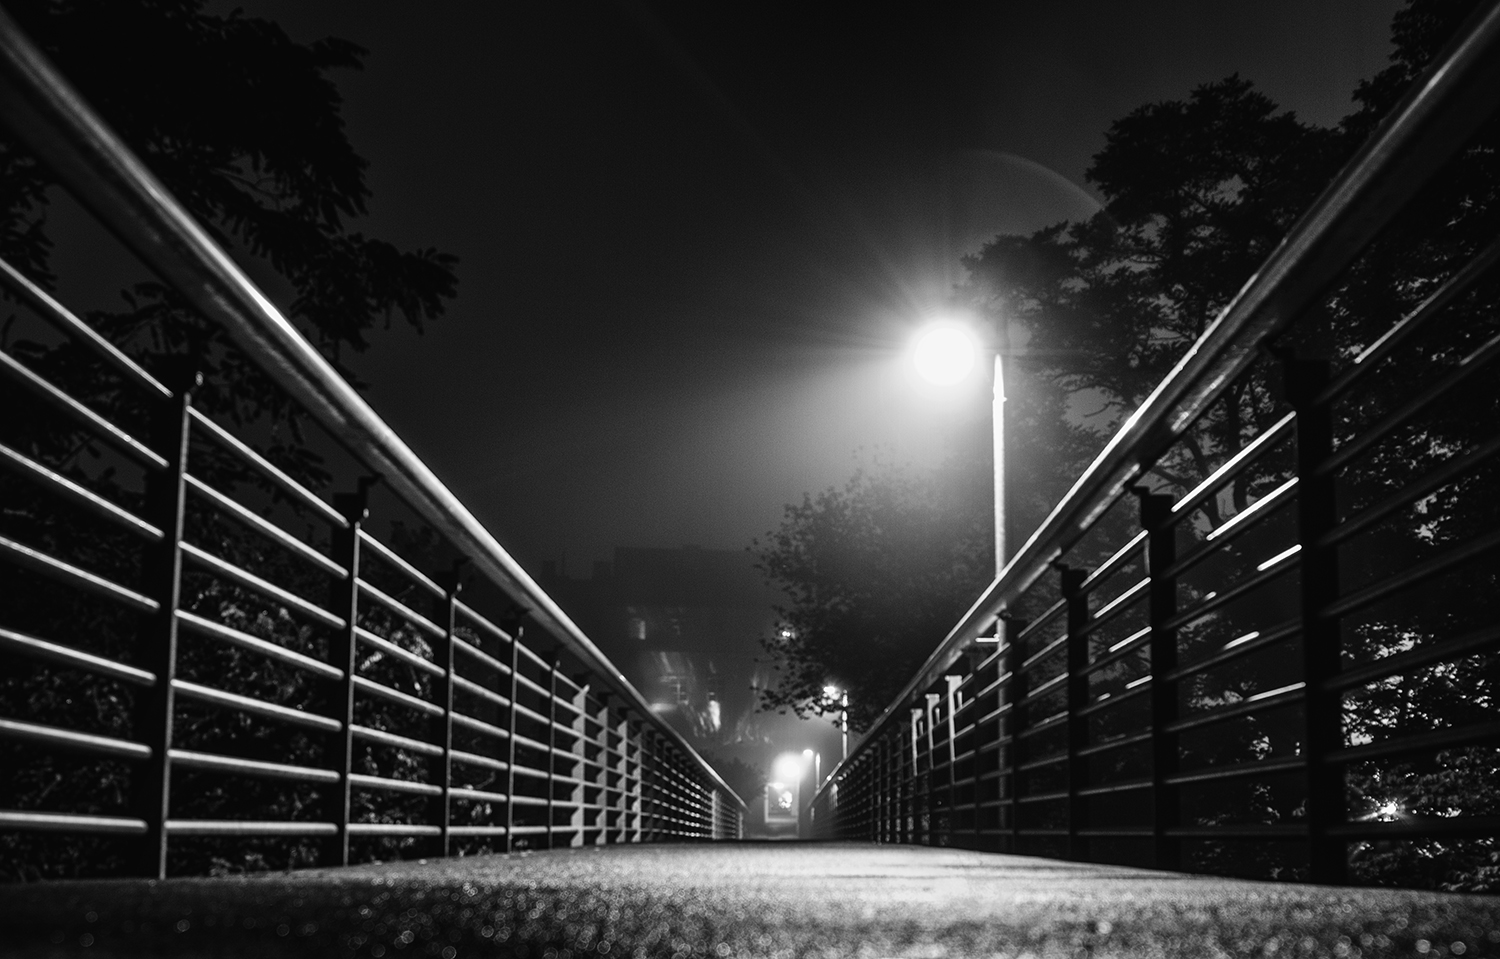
833, 692
944, 354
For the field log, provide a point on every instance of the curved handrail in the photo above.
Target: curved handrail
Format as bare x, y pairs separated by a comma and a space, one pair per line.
112, 182
1438, 114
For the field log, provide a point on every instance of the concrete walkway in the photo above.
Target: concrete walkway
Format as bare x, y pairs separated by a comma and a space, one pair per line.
761, 900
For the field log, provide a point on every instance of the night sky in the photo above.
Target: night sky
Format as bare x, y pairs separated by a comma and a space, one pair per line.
696, 237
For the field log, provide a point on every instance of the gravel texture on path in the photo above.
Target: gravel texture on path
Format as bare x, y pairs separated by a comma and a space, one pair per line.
740, 900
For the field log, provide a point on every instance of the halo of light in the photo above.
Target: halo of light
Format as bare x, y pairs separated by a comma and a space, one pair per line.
945, 353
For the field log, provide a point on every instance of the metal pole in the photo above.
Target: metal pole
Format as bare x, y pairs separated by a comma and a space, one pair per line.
1317, 515
346, 551
997, 418
1161, 553
166, 504
1078, 698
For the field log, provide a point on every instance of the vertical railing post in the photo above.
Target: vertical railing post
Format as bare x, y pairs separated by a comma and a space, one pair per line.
1317, 515
913, 814
1078, 698
579, 814
952, 684
550, 740
166, 506
1015, 721
443, 805
1161, 606
929, 827
517, 632
344, 601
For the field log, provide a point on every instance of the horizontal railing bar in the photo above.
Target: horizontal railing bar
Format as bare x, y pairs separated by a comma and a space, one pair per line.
479, 726
392, 829
396, 696
1427, 483
1124, 649
1412, 575
402, 610
1226, 534
265, 527
1225, 597
256, 707
63, 319
28, 821
1119, 558
1251, 452
1043, 688
1415, 658
102, 428
478, 619
394, 785
1045, 761
243, 577
246, 827
1123, 742
40, 562
1419, 828
189, 759
480, 656
1244, 707
406, 656
57, 483
1240, 831
474, 689
1114, 607
72, 740
1109, 789
477, 795
278, 477
477, 831
395, 741
1111, 700
396, 560
1250, 767
1236, 649
1044, 652
1273, 499
1451, 288
1041, 621
30, 646
1419, 743
207, 627
1043, 797
474, 759
1471, 365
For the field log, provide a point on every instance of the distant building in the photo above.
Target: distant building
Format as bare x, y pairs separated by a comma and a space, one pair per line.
685, 627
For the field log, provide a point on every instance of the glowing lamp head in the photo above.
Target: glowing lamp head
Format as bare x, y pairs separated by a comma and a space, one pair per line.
945, 353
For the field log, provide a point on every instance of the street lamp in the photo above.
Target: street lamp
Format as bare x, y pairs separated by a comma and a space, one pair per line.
833, 692
944, 353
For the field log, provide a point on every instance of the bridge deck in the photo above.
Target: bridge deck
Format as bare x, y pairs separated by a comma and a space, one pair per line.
738, 900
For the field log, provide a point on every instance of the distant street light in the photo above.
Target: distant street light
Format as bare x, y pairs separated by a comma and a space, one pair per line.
833, 692
944, 354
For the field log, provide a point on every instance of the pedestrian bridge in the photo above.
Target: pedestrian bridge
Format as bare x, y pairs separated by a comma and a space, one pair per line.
1258, 636
740, 899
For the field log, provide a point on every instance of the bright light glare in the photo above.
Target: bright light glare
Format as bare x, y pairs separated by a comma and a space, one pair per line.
945, 353
788, 767
832, 692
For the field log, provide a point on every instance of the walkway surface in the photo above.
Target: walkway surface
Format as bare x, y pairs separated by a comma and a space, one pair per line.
761, 900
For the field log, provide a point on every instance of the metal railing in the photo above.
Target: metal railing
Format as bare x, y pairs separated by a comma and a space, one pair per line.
1270, 601
153, 557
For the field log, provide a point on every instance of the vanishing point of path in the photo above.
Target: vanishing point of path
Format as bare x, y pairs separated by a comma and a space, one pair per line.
746, 899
